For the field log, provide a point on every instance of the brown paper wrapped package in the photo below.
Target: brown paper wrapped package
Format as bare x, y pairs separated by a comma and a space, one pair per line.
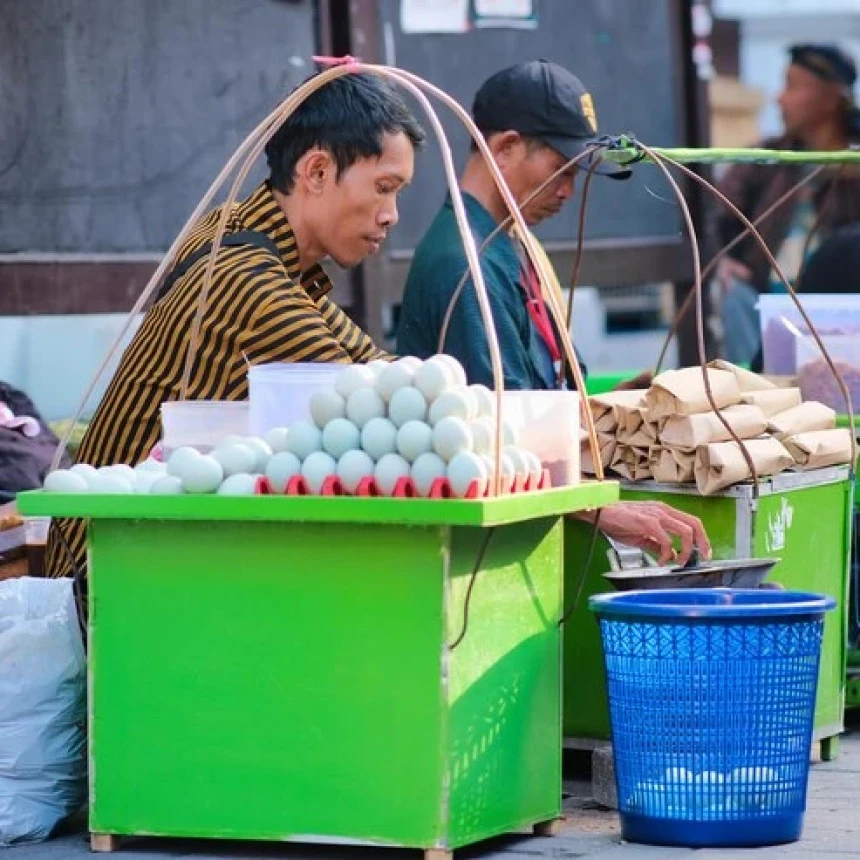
673, 467
688, 432
775, 401
607, 445
746, 379
721, 464
604, 407
682, 392
809, 416
820, 448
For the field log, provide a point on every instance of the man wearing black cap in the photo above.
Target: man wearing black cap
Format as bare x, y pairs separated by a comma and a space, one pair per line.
536, 116
819, 114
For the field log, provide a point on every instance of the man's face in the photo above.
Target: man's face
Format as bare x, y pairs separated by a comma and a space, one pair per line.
526, 174
353, 213
807, 101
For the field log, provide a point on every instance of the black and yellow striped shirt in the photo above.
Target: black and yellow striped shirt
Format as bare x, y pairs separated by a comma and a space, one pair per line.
259, 307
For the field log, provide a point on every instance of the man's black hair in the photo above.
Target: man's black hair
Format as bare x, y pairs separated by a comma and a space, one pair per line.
348, 118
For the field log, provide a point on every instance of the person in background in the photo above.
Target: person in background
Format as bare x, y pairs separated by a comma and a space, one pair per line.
535, 117
819, 114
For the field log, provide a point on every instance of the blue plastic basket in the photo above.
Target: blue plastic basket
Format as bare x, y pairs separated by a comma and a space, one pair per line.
712, 699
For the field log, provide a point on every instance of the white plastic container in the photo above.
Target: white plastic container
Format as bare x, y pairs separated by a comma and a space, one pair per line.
547, 423
201, 423
279, 393
784, 331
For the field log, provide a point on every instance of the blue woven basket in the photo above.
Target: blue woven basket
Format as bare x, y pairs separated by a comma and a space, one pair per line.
712, 699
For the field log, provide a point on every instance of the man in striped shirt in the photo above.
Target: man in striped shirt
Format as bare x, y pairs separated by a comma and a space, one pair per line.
336, 168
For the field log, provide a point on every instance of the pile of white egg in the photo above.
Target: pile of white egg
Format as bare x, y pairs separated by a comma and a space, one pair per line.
709, 794
404, 419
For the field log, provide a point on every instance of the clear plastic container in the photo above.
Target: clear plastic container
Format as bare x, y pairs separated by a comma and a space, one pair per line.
547, 423
279, 393
201, 423
783, 327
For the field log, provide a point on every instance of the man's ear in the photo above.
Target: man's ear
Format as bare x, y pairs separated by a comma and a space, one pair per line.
314, 169
505, 146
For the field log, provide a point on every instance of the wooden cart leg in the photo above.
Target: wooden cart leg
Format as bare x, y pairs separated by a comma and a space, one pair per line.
103, 843
438, 854
548, 828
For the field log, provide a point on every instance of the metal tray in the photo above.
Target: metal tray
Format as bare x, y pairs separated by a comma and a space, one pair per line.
735, 573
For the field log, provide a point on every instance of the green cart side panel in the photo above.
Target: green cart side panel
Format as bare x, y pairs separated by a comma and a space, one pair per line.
504, 686
814, 558
810, 529
214, 642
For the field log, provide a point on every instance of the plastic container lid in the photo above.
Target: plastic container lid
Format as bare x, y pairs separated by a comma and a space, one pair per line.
721, 603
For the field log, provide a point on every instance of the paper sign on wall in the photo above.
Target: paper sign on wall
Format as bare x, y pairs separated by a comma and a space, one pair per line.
434, 16
505, 13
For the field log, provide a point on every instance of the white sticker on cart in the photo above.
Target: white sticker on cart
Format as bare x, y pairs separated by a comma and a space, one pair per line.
778, 524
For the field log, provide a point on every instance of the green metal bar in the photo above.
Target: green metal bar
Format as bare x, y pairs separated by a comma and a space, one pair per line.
723, 155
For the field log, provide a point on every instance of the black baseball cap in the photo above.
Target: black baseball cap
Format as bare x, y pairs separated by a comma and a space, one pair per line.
828, 62
543, 100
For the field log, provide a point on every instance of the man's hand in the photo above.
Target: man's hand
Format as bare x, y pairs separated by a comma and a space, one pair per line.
650, 526
729, 271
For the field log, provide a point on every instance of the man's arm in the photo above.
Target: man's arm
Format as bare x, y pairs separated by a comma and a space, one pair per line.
467, 340
651, 526
288, 326
352, 337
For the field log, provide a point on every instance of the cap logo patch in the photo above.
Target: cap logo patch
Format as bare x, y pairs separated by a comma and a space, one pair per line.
588, 109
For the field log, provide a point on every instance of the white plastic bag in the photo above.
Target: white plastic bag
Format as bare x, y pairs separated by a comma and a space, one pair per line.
42, 708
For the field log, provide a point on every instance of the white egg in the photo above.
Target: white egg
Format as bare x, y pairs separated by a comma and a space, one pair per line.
304, 439
84, 470
521, 464
484, 435
490, 463
510, 436
414, 438
363, 405
179, 458
411, 361
509, 471
456, 402
389, 470
121, 470
144, 480
235, 458
280, 468
340, 436
276, 439
451, 436
434, 377
66, 481
353, 377
352, 467
325, 405
202, 476
166, 485
396, 376
238, 484
379, 437
464, 469
455, 367
535, 465
407, 404
149, 465
261, 449
485, 399
377, 365
109, 482
425, 470
316, 468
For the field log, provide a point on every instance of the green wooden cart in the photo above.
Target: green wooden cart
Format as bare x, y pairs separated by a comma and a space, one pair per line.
802, 518
284, 668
